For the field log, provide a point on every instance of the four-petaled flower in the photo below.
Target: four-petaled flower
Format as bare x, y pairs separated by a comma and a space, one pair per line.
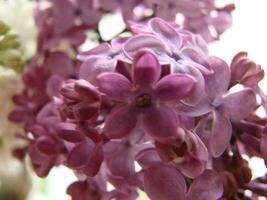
146, 99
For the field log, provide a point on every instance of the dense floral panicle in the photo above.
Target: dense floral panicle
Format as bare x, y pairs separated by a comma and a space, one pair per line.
207, 19
156, 98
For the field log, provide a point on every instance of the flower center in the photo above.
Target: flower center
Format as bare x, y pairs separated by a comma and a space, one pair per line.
143, 100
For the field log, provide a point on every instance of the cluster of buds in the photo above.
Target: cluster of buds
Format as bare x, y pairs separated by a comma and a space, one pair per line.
152, 112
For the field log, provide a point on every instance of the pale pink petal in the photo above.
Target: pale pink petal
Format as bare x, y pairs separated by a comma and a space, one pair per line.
218, 82
221, 134
165, 32
142, 42
240, 104
196, 147
96, 65
174, 87
198, 91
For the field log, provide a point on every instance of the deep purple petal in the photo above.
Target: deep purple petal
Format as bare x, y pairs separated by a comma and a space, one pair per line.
146, 69
240, 104
164, 183
115, 86
94, 161
80, 154
263, 144
120, 122
46, 145
191, 167
161, 123
221, 134
174, 87
67, 131
207, 186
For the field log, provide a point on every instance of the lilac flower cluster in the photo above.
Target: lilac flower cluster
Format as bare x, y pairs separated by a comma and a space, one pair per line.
160, 100
152, 112
69, 18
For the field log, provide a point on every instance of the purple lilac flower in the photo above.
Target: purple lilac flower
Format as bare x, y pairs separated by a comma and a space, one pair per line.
156, 98
144, 99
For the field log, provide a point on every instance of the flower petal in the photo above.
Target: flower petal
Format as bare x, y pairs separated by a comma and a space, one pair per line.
196, 147
46, 145
54, 84
207, 186
120, 122
218, 82
148, 158
146, 69
121, 161
141, 42
114, 85
165, 32
240, 104
263, 144
59, 64
102, 49
67, 131
198, 92
86, 90
161, 123
164, 183
174, 87
94, 66
94, 161
80, 154
221, 134
191, 167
